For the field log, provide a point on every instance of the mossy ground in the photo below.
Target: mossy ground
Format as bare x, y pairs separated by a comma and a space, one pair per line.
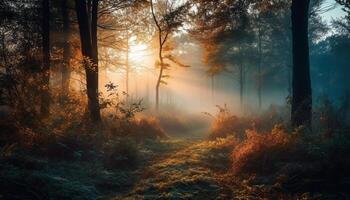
27, 177
187, 168
189, 173
170, 169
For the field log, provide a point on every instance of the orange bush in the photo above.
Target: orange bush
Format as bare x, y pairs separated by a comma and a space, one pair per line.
260, 153
225, 125
140, 129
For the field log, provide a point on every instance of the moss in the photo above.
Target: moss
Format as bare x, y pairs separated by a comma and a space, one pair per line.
186, 174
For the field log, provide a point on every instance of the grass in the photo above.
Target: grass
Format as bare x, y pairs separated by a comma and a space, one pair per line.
187, 174
28, 177
136, 160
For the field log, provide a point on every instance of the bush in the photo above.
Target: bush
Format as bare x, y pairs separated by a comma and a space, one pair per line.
139, 129
330, 118
225, 124
261, 153
122, 154
274, 114
148, 128
295, 162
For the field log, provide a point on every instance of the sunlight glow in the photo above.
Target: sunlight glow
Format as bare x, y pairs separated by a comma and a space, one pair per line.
138, 53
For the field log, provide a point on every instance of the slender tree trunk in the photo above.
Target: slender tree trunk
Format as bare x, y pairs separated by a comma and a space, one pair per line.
289, 78
136, 85
127, 67
259, 69
89, 50
212, 88
45, 70
302, 93
241, 77
241, 84
160, 56
66, 71
147, 88
159, 78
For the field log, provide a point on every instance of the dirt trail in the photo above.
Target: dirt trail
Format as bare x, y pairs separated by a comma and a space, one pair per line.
187, 173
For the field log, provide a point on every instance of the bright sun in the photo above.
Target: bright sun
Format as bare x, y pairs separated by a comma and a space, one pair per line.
140, 56
138, 52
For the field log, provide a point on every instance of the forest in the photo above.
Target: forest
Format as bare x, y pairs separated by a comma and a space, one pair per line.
174, 99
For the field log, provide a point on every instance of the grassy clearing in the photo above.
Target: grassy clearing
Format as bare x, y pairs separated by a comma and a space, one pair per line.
39, 178
190, 173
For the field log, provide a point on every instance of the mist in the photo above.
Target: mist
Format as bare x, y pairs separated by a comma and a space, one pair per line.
170, 99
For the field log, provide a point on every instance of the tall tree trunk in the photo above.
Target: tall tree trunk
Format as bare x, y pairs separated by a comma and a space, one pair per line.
289, 78
302, 93
241, 85
94, 42
127, 67
66, 71
89, 50
159, 78
160, 54
94, 33
259, 69
241, 76
212, 88
45, 70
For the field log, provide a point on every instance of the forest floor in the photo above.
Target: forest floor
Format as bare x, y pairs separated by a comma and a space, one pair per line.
175, 168
191, 172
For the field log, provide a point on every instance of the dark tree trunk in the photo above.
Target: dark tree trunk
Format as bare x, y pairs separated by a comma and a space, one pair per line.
259, 68
289, 78
94, 33
241, 85
302, 94
241, 77
66, 71
89, 51
45, 69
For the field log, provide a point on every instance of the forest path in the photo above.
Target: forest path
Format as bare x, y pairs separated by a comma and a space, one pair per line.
190, 172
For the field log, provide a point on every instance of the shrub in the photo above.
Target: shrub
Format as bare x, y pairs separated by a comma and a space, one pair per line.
261, 153
298, 162
274, 114
149, 128
139, 129
117, 107
331, 118
226, 124
121, 154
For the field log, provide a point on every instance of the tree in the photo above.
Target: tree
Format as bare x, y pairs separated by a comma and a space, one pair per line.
22, 76
224, 31
167, 18
343, 25
302, 93
45, 69
132, 22
66, 71
119, 21
87, 20
271, 23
